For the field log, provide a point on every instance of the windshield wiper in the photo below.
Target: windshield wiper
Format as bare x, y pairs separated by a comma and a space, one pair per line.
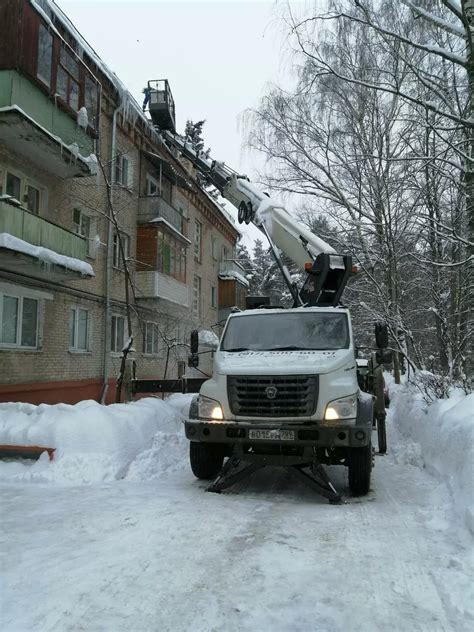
289, 348
238, 349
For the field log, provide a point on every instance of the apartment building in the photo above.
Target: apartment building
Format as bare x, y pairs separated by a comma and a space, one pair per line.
104, 232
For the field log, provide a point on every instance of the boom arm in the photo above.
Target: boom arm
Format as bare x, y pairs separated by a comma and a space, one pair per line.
298, 243
329, 273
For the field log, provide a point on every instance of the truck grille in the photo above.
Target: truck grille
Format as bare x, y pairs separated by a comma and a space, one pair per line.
273, 395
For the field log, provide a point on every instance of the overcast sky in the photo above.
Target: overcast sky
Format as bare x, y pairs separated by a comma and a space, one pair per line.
217, 55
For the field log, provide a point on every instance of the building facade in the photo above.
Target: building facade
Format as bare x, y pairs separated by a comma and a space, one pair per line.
105, 233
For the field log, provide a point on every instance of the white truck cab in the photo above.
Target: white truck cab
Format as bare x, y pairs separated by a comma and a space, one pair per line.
284, 391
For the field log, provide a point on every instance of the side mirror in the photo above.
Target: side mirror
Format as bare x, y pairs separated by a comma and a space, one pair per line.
194, 341
193, 360
381, 335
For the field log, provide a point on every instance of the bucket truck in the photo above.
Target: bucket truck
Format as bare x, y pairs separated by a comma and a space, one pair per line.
284, 389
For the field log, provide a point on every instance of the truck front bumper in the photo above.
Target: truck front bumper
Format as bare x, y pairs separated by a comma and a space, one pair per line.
312, 434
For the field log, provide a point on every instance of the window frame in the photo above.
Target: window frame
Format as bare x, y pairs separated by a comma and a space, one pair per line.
213, 297
73, 345
153, 181
197, 240
171, 256
197, 297
64, 66
25, 183
113, 339
77, 228
214, 248
20, 297
123, 171
43, 29
155, 339
117, 262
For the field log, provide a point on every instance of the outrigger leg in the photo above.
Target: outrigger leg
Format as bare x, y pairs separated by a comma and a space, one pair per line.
228, 476
318, 480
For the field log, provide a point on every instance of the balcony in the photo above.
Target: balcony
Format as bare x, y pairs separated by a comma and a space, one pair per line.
32, 126
156, 209
230, 270
33, 246
151, 284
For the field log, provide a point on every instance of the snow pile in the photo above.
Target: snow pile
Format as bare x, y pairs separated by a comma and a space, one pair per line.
83, 118
44, 254
443, 440
233, 275
95, 443
208, 339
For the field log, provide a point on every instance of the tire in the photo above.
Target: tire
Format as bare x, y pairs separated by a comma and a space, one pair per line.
206, 459
360, 468
382, 435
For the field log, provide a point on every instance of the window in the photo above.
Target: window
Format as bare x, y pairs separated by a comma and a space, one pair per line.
166, 189
151, 339
64, 74
117, 334
67, 81
197, 239
123, 171
91, 100
79, 329
81, 223
32, 199
117, 254
225, 253
18, 321
171, 256
20, 187
13, 187
86, 227
45, 55
152, 186
213, 297
197, 297
214, 248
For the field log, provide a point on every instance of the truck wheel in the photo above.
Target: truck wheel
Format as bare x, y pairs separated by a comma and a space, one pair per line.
360, 467
206, 459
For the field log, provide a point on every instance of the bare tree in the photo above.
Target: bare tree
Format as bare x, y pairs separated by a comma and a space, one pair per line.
378, 134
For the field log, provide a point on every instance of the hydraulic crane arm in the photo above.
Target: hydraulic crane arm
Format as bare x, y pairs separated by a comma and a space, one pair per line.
327, 271
298, 243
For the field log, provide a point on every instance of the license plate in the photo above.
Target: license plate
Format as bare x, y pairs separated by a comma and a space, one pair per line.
260, 434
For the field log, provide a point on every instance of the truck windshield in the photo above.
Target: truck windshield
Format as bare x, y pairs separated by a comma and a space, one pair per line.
291, 331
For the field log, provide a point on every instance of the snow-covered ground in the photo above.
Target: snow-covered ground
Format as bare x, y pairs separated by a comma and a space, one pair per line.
116, 534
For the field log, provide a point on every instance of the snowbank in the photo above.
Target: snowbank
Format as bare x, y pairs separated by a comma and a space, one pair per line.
443, 440
95, 443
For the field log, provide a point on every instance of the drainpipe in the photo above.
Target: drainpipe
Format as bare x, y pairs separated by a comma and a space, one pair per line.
108, 268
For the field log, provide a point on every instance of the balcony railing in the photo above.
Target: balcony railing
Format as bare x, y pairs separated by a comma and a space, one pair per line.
151, 284
155, 207
38, 231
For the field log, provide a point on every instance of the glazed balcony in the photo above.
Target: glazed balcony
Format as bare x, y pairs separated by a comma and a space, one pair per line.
154, 208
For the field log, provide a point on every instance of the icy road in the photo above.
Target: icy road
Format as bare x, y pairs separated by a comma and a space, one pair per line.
167, 555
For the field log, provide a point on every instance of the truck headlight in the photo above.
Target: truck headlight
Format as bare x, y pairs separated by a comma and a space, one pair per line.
209, 409
340, 410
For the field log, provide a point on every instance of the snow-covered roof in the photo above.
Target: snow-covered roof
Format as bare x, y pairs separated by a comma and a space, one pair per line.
45, 254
